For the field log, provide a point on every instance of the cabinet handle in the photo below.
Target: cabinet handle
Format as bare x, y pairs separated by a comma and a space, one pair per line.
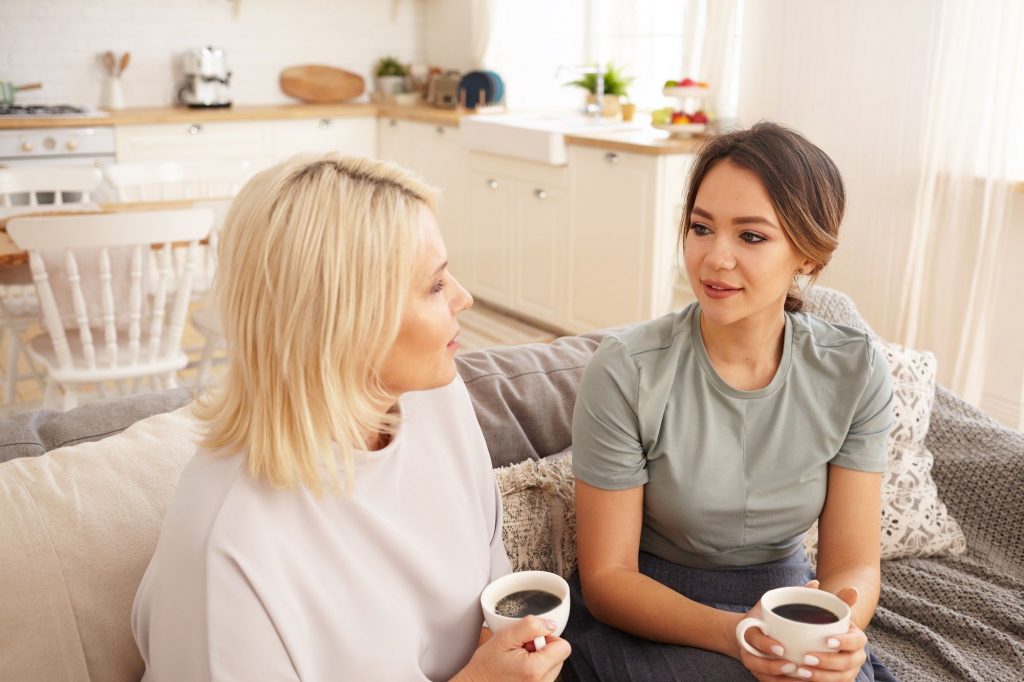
611, 157
540, 194
195, 129
325, 123
439, 130
492, 183
393, 123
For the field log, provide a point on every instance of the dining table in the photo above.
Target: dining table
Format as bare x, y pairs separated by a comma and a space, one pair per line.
12, 256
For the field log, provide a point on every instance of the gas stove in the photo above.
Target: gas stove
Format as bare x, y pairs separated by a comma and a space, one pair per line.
44, 110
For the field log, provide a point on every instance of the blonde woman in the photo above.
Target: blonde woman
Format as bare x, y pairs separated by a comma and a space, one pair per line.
341, 517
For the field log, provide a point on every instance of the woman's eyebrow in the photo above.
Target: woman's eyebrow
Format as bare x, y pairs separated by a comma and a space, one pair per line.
741, 220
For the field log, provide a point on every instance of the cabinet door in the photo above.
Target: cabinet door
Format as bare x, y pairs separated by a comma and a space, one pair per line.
395, 142
442, 163
541, 215
613, 197
492, 210
249, 140
355, 136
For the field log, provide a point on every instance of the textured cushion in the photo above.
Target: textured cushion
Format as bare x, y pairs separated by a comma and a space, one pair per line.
80, 526
34, 433
524, 395
915, 522
539, 525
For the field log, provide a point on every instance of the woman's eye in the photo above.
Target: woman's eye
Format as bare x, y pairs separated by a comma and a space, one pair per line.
700, 229
752, 237
438, 286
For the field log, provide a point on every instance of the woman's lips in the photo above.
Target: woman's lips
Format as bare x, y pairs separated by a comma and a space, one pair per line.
719, 289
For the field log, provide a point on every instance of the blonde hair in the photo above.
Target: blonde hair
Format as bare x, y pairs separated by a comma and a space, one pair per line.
314, 266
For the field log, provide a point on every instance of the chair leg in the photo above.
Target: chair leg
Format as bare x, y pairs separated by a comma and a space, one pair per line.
50, 395
70, 399
13, 346
172, 381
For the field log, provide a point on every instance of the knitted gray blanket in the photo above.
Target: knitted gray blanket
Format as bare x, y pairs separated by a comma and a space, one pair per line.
956, 618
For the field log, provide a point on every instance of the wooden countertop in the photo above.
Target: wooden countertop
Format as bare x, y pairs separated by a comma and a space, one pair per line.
647, 141
156, 115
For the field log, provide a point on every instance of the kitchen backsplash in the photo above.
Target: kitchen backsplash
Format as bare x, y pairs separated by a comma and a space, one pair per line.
58, 42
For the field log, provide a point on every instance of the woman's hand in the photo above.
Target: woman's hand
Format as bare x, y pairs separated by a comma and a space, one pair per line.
505, 656
841, 664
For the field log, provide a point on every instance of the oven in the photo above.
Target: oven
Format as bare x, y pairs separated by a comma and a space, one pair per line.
93, 145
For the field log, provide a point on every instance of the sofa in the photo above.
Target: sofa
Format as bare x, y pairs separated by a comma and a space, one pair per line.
82, 494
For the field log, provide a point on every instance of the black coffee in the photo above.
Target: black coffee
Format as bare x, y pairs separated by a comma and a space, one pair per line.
806, 613
526, 603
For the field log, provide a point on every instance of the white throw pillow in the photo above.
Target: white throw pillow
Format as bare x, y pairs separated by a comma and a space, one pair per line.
915, 522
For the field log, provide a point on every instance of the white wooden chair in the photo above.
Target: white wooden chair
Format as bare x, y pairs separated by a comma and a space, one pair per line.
169, 180
102, 325
23, 190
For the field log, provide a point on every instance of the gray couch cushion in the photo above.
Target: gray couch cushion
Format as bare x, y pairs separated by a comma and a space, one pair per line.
35, 433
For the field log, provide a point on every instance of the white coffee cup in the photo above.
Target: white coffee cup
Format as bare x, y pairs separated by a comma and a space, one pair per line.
526, 580
797, 638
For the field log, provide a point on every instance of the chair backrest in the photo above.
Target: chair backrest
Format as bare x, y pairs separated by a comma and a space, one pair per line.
84, 249
23, 183
167, 180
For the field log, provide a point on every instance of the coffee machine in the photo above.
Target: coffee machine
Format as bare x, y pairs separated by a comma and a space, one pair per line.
207, 81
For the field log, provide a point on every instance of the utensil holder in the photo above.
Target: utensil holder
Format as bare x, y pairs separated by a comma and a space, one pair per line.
113, 94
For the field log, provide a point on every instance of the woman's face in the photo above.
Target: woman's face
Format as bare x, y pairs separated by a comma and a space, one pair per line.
423, 356
739, 261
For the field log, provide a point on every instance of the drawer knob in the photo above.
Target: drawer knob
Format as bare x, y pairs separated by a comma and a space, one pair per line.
325, 123
439, 130
393, 123
195, 129
27, 146
492, 183
540, 194
611, 157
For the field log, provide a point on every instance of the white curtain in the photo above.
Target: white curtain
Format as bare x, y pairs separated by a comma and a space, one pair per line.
481, 20
973, 150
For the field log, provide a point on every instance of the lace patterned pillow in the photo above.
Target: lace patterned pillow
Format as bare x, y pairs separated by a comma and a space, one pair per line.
915, 522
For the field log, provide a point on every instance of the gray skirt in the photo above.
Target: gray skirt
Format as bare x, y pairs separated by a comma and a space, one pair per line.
603, 653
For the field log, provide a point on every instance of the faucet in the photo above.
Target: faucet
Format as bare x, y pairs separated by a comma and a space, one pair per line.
596, 108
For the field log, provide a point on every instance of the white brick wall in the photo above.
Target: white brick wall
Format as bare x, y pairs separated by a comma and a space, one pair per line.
58, 42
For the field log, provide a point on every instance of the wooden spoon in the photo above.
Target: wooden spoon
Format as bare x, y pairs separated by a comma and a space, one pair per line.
124, 62
108, 62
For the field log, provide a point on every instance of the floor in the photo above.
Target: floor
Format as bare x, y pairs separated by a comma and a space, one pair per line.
482, 327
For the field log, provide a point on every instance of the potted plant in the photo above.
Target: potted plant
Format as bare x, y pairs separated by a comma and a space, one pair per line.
390, 76
616, 87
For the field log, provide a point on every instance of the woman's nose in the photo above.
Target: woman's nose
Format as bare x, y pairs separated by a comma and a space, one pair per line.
463, 299
721, 257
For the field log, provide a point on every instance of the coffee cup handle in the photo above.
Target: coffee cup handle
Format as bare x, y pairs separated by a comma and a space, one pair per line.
741, 630
539, 643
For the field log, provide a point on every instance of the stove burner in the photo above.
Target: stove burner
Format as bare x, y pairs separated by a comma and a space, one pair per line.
40, 110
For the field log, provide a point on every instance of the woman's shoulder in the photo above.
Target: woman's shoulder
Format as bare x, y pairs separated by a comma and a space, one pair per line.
832, 346
647, 341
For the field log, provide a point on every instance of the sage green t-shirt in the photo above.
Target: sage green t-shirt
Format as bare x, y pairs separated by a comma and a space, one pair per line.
731, 477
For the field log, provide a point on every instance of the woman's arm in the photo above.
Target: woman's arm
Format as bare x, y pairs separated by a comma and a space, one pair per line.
849, 538
608, 524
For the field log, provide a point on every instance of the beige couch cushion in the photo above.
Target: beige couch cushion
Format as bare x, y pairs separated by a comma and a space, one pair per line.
79, 527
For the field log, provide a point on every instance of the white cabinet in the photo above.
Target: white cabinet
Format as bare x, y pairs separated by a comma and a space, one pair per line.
250, 140
433, 152
355, 136
622, 251
519, 218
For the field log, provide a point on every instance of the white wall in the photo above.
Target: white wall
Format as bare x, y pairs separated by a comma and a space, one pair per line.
57, 42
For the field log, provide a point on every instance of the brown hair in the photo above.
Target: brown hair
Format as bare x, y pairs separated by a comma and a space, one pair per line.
804, 184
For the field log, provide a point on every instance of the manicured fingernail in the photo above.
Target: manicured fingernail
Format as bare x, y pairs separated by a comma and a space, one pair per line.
833, 643
804, 673
550, 623
778, 650
811, 660
788, 668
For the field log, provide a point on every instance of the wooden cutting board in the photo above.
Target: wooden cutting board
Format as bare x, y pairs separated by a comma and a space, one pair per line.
320, 84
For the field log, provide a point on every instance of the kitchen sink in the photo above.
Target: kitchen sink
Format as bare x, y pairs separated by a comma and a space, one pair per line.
531, 136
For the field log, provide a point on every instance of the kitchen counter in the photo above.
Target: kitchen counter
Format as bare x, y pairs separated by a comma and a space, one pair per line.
647, 141
421, 113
